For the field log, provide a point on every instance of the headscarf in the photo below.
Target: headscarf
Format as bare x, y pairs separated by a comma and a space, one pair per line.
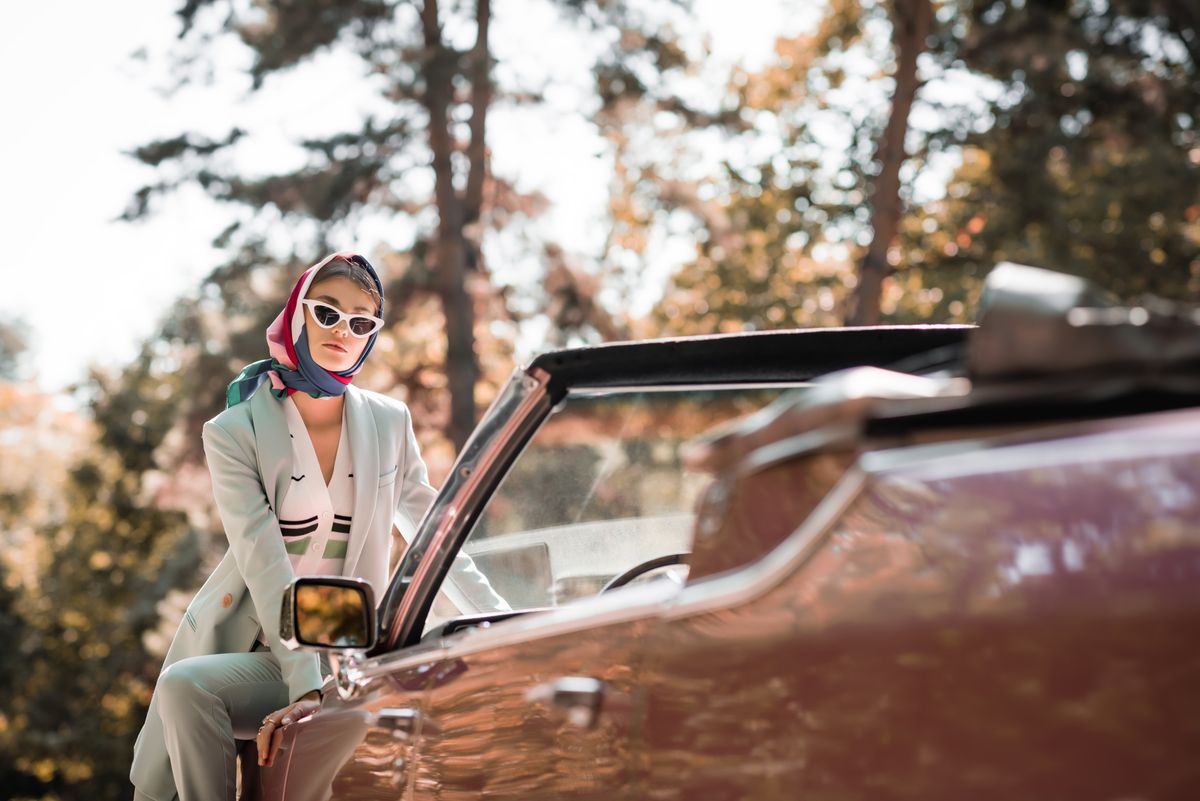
291, 367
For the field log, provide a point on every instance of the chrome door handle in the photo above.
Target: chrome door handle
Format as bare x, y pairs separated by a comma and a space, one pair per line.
402, 722
405, 722
578, 699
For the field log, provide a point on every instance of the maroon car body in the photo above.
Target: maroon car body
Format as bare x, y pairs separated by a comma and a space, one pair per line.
956, 581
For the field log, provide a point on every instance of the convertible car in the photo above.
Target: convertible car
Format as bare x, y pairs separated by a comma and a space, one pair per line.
903, 562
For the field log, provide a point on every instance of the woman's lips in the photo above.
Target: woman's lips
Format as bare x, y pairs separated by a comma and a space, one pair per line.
334, 346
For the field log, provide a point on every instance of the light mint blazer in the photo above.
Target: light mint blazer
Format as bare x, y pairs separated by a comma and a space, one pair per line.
249, 457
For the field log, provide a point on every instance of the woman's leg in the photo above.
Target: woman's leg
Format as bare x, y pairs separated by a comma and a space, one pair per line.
206, 702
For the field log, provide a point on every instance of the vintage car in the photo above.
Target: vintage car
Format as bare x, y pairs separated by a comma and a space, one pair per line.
925, 562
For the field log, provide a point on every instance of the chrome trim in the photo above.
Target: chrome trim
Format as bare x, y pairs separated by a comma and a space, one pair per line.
746, 583
913, 456
365, 671
344, 671
599, 392
625, 605
835, 436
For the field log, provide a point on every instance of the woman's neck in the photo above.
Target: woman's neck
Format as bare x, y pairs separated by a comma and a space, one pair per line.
319, 412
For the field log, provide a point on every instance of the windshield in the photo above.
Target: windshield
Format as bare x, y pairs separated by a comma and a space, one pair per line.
599, 490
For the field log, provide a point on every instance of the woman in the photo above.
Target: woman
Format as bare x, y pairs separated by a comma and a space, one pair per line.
309, 474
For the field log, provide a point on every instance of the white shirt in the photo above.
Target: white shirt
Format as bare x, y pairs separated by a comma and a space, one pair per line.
315, 518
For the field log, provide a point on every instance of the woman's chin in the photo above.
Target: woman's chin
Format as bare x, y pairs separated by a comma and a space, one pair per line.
332, 360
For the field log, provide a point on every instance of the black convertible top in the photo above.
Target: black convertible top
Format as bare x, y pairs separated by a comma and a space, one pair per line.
767, 356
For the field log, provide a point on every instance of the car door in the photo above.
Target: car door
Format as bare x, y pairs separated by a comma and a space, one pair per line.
360, 747
540, 708
995, 620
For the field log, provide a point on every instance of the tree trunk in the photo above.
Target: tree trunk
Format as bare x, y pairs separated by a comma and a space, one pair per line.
911, 20
481, 100
451, 248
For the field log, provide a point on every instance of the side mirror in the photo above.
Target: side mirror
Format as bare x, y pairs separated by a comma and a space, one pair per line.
328, 613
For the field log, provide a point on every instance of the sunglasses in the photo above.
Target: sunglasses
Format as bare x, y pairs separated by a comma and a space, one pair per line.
360, 325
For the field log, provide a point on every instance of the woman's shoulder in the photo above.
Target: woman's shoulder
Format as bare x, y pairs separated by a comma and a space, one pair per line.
233, 419
382, 405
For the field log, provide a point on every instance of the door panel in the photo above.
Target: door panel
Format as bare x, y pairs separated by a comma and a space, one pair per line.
534, 717
1005, 624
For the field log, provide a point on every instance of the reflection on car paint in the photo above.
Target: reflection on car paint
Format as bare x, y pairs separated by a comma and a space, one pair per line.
958, 634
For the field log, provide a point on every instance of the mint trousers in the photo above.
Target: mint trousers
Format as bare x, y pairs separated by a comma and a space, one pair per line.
207, 704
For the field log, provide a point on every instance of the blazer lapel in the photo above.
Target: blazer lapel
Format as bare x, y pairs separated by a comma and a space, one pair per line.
273, 445
364, 446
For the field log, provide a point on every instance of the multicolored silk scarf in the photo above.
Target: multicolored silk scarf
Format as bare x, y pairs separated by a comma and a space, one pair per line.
291, 367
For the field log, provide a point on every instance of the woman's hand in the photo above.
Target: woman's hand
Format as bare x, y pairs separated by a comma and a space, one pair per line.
270, 734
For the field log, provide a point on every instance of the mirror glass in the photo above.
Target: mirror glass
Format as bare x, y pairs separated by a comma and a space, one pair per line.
331, 616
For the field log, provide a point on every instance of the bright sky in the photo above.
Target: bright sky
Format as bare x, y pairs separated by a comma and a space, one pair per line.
89, 288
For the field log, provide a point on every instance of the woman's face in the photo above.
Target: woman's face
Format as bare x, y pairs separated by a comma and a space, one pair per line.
336, 349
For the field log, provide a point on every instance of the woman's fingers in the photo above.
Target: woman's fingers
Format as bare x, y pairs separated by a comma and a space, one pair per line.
276, 740
270, 735
264, 737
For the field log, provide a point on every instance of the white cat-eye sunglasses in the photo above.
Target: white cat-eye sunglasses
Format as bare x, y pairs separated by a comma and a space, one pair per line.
360, 325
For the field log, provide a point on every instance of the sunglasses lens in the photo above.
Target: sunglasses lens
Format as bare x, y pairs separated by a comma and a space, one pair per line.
325, 315
361, 326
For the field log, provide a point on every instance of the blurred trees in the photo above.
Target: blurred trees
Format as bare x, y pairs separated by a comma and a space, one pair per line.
910, 24
1087, 157
1068, 131
12, 348
789, 213
431, 68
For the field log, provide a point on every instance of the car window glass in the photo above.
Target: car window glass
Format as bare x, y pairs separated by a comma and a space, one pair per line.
599, 490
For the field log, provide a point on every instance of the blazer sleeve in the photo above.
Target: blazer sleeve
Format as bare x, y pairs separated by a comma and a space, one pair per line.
416, 493
257, 546
466, 587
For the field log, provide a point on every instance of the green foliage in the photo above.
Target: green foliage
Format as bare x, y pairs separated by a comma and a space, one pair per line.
14, 634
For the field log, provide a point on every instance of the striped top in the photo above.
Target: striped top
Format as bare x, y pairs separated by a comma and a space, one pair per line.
315, 518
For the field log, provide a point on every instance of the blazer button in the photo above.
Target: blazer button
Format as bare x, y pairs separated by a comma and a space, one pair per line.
227, 601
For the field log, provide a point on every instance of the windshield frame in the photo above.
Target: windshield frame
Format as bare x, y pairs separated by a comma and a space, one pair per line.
508, 424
